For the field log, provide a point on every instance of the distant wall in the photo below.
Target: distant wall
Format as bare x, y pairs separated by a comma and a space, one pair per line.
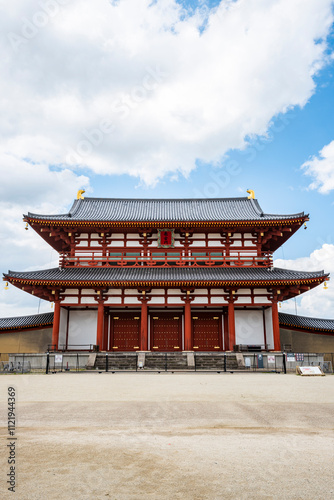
306, 341
28, 341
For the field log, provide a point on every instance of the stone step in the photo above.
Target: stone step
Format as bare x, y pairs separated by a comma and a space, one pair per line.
162, 361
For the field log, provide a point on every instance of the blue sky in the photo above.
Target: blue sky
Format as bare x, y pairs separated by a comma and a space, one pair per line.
168, 99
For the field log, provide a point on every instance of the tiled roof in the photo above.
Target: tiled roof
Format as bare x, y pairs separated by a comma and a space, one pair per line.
193, 210
303, 322
164, 274
22, 322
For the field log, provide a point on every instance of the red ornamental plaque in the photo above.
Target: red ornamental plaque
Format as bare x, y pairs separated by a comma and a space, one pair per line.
166, 238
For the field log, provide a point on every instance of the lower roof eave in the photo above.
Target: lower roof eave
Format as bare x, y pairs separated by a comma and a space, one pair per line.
166, 277
166, 283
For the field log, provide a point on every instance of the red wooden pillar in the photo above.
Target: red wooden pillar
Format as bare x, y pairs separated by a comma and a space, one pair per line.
105, 332
99, 327
231, 325
226, 342
56, 322
276, 334
143, 326
187, 326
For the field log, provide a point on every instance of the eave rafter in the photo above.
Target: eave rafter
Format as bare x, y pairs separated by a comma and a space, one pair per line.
282, 289
59, 237
184, 227
60, 234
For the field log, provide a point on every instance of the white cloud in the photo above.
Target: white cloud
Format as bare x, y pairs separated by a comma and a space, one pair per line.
34, 187
321, 168
134, 86
318, 302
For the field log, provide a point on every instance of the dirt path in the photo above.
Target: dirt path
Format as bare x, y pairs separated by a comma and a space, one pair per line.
170, 436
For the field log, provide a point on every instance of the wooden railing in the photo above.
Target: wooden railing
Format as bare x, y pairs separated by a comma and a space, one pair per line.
167, 260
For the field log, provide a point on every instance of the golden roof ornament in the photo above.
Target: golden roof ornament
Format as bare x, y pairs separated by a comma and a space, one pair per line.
80, 193
251, 194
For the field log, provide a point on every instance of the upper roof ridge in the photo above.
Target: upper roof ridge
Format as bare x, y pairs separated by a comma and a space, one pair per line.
166, 209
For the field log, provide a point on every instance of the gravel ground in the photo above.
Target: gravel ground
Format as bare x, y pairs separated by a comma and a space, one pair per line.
170, 436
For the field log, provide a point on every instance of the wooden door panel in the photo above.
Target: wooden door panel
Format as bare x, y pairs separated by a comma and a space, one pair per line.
166, 334
124, 332
206, 331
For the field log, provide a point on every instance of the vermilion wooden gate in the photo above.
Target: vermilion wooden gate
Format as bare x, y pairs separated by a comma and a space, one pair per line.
207, 331
124, 331
166, 332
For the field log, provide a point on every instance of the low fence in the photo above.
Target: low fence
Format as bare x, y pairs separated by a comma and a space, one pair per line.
163, 362
42, 363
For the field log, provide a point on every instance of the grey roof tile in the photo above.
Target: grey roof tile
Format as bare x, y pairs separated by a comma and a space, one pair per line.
165, 274
325, 325
183, 210
45, 319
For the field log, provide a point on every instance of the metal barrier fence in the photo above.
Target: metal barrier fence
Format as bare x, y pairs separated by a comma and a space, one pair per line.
42, 363
250, 362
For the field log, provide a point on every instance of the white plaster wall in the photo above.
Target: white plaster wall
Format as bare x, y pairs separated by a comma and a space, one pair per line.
62, 326
261, 300
70, 300
197, 235
82, 327
116, 243
157, 300
269, 327
131, 300
132, 243
114, 300
244, 300
200, 300
218, 300
88, 300
175, 300
249, 327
